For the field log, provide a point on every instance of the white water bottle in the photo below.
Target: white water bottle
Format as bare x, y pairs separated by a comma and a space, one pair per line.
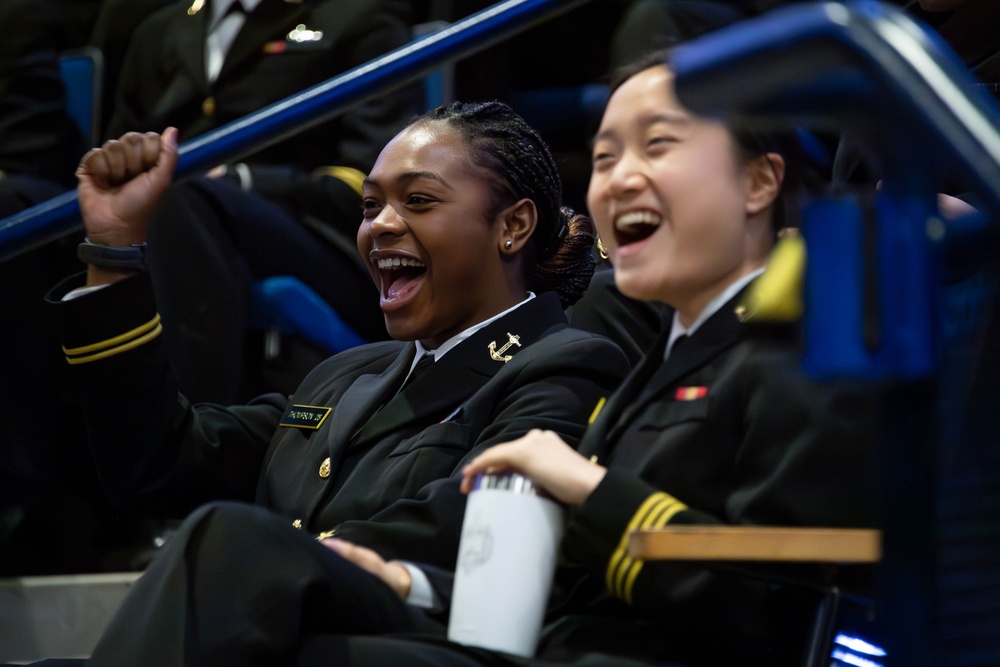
506, 559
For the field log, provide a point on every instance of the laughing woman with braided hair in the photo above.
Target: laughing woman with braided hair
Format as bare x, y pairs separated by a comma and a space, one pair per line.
519, 162
475, 259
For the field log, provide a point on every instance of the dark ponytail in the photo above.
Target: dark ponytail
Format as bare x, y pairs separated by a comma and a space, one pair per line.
522, 167
566, 267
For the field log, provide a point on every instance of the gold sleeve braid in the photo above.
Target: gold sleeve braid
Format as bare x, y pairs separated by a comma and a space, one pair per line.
597, 410
349, 175
655, 512
116, 345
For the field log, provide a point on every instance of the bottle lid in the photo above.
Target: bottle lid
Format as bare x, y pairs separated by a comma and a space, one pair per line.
505, 481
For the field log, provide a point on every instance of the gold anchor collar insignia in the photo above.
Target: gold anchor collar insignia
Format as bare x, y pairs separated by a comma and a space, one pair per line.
498, 355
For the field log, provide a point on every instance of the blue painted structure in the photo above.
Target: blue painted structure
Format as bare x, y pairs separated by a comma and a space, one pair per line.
878, 306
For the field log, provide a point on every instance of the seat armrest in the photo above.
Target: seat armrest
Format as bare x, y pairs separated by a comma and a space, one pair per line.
757, 543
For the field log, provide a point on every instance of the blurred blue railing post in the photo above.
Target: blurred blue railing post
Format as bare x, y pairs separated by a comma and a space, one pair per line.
873, 282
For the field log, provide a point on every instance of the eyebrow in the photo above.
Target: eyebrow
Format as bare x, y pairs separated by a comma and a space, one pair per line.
410, 176
647, 119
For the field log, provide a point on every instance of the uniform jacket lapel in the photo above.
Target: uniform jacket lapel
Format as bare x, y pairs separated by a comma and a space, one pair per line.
653, 376
719, 332
369, 393
270, 21
191, 43
459, 373
621, 406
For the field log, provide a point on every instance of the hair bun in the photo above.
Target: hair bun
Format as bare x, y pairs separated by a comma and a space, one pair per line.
567, 264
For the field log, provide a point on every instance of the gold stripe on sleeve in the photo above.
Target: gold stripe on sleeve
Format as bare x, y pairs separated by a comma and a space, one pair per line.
664, 504
597, 410
637, 518
656, 511
636, 567
117, 340
352, 177
116, 345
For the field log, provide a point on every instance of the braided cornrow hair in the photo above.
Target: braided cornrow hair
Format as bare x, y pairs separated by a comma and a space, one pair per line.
522, 167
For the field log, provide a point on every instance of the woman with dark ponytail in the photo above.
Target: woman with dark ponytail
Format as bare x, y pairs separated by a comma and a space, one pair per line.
474, 258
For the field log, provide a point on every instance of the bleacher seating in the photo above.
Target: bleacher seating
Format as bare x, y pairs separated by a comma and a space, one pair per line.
25, 595
82, 73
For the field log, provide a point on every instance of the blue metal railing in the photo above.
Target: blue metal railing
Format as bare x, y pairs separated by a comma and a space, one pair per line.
869, 70
864, 67
58, 216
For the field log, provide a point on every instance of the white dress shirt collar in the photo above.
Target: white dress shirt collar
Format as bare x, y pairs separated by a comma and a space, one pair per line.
458, 338
677, 329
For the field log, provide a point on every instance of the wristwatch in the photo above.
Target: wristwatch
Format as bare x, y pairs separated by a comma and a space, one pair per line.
121, 257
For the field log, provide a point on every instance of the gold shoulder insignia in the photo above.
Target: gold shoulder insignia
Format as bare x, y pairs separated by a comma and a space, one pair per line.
776, 296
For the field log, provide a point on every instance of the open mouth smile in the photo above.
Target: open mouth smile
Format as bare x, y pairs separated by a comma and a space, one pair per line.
635, 226
398, 275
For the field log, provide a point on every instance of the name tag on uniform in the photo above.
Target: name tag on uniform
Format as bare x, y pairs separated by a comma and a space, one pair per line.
305, 416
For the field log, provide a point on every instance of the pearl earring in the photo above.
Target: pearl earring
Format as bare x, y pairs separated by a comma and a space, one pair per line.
508, 244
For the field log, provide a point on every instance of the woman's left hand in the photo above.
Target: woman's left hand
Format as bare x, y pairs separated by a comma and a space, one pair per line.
543, 457
391, 572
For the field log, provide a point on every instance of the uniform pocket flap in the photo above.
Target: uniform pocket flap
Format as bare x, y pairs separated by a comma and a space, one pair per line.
445, 435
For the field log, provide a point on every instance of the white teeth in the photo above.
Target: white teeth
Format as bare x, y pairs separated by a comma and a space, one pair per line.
627, 220
397, 262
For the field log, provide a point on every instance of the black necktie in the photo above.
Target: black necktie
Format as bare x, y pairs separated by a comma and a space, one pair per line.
677, 344
221, 38
425, 363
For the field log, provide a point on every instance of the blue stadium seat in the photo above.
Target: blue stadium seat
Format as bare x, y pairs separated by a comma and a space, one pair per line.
82, 72
287, 304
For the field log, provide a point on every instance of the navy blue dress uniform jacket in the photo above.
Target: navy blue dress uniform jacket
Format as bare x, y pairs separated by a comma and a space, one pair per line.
727, 431
345, 452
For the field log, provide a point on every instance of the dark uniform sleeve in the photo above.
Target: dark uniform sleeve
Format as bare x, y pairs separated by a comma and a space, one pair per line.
806, 459
558, 390
631, 323
155, 452
130, 111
